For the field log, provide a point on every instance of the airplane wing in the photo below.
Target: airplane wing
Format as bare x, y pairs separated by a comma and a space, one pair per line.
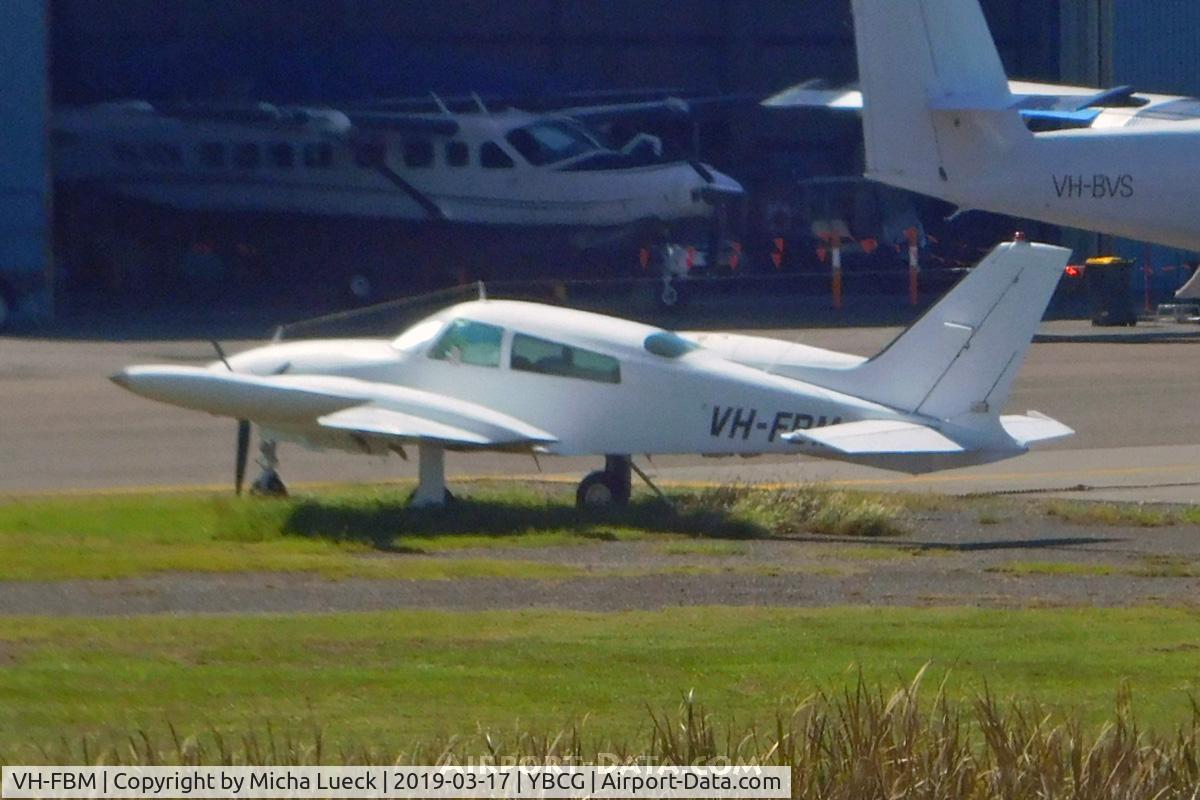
325, 404
416, 124
877, 437
1070, 105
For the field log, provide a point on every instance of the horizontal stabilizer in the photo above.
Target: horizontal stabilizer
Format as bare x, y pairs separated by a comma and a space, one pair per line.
1033, 427
877, 437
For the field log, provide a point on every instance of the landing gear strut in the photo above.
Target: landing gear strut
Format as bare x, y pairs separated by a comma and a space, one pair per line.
268, 483
431, 471
611, 486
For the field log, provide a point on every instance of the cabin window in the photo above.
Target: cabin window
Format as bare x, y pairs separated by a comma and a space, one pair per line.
669, 345
212, 154
457, 154
247, 156
126, 153
163, 154
418, 153
467, 342
370, 154
318, 154
530, 354
492, 157
282, 155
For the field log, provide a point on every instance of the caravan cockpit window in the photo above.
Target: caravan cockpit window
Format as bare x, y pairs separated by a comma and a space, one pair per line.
492, 157
467, 342
550, 142
530, 354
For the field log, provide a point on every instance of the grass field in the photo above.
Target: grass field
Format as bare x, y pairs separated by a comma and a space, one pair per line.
391, 680
335, 533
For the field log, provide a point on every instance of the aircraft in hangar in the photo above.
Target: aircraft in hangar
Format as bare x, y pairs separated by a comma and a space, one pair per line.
951, 125
479, 167
528, 378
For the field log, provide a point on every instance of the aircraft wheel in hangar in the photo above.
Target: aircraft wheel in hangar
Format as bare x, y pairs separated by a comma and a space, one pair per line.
602, 489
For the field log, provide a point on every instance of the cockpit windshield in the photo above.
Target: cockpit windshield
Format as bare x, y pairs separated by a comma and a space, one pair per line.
418, 335
550, 142
669, 345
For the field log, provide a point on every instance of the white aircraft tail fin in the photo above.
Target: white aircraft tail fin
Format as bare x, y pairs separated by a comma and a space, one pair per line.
936, 99
958, 361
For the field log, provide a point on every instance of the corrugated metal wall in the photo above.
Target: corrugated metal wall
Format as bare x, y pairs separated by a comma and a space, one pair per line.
1156, 45
23, 172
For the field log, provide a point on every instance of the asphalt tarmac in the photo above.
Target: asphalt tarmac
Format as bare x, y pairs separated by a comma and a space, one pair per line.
1129, 394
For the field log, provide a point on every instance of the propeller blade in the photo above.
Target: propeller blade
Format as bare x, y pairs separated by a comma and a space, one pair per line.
243, 451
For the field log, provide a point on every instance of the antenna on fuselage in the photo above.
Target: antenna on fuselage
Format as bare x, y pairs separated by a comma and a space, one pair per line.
441, 106
479, 102
482, 290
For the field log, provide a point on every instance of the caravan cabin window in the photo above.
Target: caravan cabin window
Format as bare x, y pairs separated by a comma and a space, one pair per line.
418, 153
246, 156
457, 154
467, 342
318, 154
212, 155
282, 155
530, 354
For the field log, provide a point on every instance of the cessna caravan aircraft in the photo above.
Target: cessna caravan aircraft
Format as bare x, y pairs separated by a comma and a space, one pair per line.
504, 168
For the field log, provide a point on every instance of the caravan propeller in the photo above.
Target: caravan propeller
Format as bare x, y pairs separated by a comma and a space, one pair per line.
243, 433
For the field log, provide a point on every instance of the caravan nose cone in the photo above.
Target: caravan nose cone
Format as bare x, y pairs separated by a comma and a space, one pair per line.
120, 379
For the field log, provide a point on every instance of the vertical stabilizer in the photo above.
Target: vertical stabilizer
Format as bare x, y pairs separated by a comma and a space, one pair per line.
957, 363
935, 97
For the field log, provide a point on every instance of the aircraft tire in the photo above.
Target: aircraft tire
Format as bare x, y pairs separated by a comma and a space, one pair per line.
601, 489
448, 498
270, 486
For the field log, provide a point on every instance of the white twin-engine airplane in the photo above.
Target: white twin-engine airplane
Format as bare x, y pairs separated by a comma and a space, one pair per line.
940, 118
523, 377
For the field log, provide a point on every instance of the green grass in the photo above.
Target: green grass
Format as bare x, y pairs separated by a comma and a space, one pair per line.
1115, 514
343, 533
392, 679
1153, 567
704, 547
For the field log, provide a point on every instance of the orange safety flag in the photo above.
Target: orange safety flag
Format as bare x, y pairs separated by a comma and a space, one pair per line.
869, 246
735, 258
644, 257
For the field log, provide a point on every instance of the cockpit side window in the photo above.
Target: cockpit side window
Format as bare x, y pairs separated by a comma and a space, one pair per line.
492, 157
530, 354
467, 342
550, 142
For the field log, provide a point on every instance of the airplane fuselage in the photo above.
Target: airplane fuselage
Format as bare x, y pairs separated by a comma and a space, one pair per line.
1141, 184
698, 402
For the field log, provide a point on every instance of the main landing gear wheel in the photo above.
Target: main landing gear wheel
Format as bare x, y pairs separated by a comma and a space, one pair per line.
269, 484
608, 487
447, 497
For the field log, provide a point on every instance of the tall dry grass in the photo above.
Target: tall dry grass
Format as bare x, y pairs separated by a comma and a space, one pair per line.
856, 743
